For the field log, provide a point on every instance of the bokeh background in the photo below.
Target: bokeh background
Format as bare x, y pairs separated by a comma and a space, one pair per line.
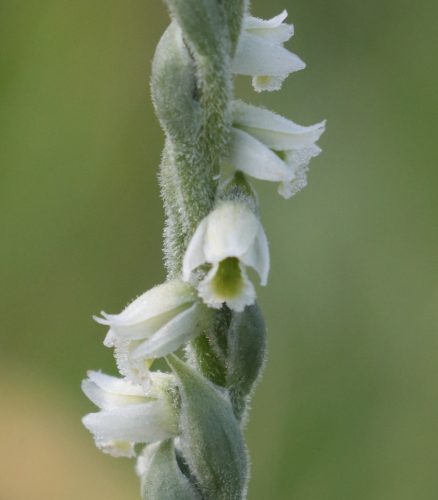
347, 408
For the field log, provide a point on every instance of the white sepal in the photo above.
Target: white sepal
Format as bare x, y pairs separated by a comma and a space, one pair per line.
272, 29
175, 333
149, 311
257, 256
273, 130
195, 255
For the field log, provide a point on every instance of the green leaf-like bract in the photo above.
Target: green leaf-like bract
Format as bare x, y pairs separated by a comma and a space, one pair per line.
211, 440
246, 356
162, 477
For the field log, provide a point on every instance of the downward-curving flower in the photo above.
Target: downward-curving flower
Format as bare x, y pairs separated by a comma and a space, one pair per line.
260, 52
129, 413
229, 239
154, 325
269, 147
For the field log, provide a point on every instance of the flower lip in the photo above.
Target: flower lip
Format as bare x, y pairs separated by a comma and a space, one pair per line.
227, 282
273, 29
151, 304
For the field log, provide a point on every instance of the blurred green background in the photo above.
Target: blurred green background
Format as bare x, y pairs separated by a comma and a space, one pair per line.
347, 408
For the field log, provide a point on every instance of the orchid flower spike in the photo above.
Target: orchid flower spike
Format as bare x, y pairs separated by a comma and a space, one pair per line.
230, 239
153, 325
269, 147
260, 52
129, 414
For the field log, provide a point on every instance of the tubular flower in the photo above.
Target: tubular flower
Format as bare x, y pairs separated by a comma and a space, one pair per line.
260, 52
230, 239
153, 325
269, 147
129, 414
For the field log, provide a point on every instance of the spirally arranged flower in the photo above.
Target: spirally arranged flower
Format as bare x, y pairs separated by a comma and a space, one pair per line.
185, 425
153, 325
129, 414
260, 52
269, 147
229, 239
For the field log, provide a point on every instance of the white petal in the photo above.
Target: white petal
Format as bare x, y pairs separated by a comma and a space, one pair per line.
145, 423
256, 56
273, 130
231, 229
195, 255
108, 392
272, 29
173, 335
255, 159
108, 401
257, 256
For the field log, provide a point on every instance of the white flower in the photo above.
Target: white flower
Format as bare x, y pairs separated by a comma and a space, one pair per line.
229, 239
129, 414
260, 52
257, 133
153, 325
